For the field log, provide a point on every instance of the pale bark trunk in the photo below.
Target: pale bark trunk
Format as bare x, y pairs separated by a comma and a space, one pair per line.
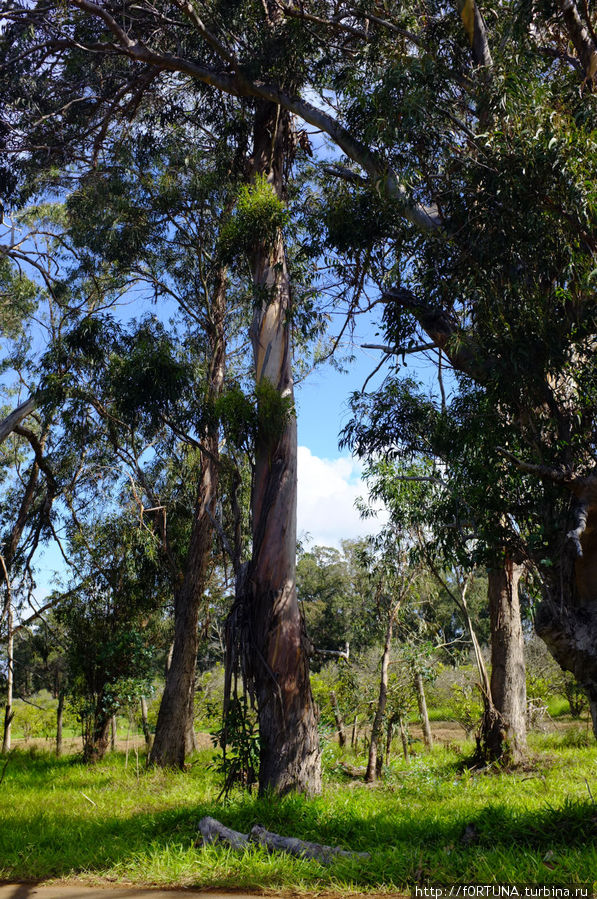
170, 740
372, 764
145, 722
505, 737
581, 37
8, 711
424, 715
59, 717
276, 657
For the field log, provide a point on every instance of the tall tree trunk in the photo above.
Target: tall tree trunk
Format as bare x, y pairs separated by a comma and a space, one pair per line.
8, 710
176, 708
276, 652
423, 714
59, 716
145, 722
372, 766
505, 736
113, 733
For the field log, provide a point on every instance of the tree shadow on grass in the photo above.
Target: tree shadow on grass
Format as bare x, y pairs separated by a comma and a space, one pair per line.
406, 845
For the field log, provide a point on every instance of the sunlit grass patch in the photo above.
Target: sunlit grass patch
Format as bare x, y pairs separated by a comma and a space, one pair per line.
119, 821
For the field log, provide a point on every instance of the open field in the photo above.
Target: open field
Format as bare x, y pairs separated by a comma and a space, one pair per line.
432, 820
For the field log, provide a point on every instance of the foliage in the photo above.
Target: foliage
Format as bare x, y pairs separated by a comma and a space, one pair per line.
238, 739
256, 221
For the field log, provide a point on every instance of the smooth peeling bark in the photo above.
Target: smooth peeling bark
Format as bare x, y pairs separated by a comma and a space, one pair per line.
506, 736
276, 658
171, 740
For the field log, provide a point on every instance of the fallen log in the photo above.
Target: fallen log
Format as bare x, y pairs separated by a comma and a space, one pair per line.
212, 831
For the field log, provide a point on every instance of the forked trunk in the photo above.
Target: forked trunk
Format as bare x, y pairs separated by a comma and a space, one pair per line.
276, 657
506, 735
423, 713
170, 743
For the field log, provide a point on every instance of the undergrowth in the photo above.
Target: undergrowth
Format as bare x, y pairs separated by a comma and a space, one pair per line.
117, 821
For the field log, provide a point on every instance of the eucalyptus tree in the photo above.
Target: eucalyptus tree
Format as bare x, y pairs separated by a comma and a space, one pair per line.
482, 185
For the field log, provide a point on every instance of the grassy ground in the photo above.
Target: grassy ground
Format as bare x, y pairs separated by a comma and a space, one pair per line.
60, 819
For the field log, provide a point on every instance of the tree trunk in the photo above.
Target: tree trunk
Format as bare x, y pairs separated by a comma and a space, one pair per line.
59, 716
145, 723
8, 711
505, 736
372, 766
176, 708
355, 732
191, 738
275, 651
567, 617
113, 733
403, 737
422, 703
338, 719
96, 737
389, 735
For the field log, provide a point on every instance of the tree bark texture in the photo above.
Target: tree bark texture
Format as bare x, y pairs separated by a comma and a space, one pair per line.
170, 742
8, 710
506, 735
212, 831
423, 714
567, 616
276, 657
97, 735
372, 764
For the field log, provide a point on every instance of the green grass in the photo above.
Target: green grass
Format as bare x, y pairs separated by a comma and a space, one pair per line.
61, 819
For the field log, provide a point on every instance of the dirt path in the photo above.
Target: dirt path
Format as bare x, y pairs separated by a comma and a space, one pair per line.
110, 891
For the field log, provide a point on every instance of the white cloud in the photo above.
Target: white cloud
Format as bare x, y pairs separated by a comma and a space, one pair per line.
327, 490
